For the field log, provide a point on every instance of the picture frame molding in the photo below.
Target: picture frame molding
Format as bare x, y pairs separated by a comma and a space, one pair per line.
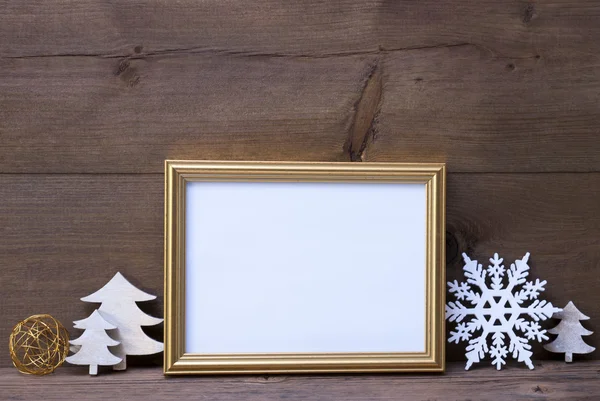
178, 173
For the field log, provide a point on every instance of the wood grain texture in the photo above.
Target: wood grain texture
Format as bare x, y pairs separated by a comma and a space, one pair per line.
65, 236
95, 94
457, 104
507, 28
216, 26
555, 217
480, 112
306, 27
549, 381
72, 115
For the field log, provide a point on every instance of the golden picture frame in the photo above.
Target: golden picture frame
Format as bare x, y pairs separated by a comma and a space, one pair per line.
304, 267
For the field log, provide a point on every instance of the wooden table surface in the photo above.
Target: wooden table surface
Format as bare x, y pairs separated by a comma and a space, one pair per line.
549, 380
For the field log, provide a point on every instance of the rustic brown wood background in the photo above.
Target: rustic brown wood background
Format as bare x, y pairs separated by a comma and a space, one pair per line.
95, 94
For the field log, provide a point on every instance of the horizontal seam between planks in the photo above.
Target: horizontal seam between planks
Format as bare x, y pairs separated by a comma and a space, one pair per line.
224, 52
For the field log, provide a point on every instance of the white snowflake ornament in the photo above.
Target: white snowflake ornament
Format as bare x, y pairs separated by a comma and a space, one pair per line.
497, 311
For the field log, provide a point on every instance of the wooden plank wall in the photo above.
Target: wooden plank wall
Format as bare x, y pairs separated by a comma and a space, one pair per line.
95, 94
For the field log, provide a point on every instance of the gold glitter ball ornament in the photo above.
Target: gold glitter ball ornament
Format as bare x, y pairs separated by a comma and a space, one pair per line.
38, 345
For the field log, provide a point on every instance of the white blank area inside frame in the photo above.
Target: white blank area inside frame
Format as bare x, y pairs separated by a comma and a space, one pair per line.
276, 267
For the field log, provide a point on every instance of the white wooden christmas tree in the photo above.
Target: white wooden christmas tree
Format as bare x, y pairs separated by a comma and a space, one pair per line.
569, 332
93, 344
118, 298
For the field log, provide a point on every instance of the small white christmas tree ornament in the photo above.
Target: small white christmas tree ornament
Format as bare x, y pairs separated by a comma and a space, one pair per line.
497, 310
118, 298
93, 344
569, 332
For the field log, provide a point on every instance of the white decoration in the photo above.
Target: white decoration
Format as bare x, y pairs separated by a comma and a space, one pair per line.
497, 311
118, 298
569, 332
92, 345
